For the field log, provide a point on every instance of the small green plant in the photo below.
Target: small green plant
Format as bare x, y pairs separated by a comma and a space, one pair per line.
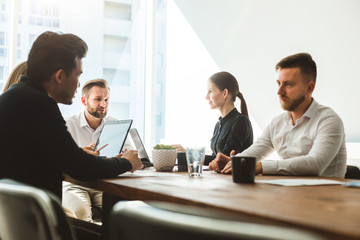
162, 146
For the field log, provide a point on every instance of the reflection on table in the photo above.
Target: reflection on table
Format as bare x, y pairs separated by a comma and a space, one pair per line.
332, 210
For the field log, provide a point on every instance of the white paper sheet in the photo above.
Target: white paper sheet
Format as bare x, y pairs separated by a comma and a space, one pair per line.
355, 184
300, 182
140, 173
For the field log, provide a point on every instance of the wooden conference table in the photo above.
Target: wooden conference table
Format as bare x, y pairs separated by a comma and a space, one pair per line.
330, 210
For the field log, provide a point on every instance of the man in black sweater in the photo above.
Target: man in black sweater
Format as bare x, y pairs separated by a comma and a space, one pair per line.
36, 147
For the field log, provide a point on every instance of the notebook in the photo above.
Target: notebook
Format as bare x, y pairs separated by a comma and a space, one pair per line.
114, 134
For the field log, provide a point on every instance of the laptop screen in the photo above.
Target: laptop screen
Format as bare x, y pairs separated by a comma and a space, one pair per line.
138, 143
114, 134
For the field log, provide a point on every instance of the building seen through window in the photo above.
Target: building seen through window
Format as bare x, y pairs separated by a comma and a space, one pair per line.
115, 32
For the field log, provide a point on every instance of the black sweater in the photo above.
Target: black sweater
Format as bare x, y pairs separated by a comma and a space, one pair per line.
233, 132
36, 147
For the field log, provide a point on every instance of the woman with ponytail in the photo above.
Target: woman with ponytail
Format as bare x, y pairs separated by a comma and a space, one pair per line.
233, 131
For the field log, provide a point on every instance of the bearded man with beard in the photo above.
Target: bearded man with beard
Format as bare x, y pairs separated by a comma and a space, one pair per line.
85, 129
309, 138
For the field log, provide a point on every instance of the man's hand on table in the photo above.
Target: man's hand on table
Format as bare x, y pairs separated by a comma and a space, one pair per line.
221, 163
133, 157
258, 168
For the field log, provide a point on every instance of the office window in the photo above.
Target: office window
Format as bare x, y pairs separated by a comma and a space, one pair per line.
116, 76
20, 7
55, 10
3, 11
2, 38
109, 74
117, 11
116, 53
3, 52
31, 39
3, 5
116, 46
3, 17
2, 80
1, 73
55, 23
160, 64
120, 109
18, 46
44, 13
18, 40
3, 49
32, 20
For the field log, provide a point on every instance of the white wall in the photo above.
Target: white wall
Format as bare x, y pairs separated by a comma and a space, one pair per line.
247, 38
189, 119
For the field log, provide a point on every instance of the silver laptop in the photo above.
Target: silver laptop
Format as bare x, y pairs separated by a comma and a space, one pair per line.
113, 134
138, 143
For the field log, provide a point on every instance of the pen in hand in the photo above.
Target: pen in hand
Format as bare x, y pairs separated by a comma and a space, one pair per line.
102, 147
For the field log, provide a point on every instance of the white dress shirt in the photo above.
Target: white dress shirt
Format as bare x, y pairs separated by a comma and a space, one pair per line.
315, 145
80, 199
84, 135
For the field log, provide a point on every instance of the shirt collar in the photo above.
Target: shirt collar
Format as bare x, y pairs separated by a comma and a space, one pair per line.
84, 122
229, 115
310, 112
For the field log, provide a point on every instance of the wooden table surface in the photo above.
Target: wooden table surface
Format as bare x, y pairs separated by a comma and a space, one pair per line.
331, 210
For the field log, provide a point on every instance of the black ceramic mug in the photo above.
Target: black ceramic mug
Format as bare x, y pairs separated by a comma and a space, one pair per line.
243, 169
182, 163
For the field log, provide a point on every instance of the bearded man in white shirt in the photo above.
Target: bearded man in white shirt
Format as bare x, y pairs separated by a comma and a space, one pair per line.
309, 138
85, 129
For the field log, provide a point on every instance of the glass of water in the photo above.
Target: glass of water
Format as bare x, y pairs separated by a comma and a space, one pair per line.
195, 158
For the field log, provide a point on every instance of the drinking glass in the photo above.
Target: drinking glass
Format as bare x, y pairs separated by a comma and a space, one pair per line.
195, 158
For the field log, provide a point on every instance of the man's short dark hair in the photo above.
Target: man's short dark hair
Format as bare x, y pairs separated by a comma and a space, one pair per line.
99, 82
303, 61
54, 51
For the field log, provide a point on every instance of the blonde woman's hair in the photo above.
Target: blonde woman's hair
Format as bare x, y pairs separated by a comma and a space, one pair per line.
14, 77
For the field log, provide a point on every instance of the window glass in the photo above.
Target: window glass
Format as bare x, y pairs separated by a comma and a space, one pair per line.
160, 79
118, 11
3, 10
116, 46
2, 82
2, 38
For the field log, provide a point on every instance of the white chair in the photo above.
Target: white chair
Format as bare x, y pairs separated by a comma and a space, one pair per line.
30, 213
135, 220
